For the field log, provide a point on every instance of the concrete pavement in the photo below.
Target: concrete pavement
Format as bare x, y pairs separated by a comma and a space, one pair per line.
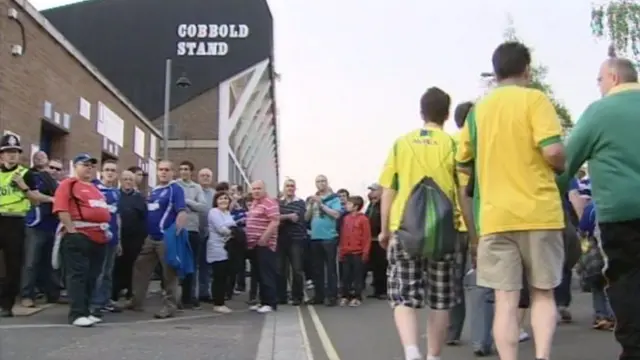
368, 333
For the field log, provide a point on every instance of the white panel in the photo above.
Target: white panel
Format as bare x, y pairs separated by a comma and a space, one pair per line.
48, 110
152, 171
224, 93
247, 118
257, 130
153, 147
261, 149
257, 149
84, 108
109, 124
138, 141
233, 157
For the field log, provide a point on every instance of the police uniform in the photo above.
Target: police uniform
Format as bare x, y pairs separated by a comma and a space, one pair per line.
14, 206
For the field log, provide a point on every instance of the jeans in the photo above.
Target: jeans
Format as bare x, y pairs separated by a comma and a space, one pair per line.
458, 312
267, 260
254, 284
562, 292
37, 270
601, 307
621, 244
83, 261
481, 319
352, 270
189, 282
203, 271
324, 253
290, 255
104, 282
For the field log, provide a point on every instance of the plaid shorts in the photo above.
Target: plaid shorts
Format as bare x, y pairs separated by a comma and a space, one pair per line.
413, 282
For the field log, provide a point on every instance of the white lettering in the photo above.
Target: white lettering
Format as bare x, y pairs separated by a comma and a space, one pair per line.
208, 31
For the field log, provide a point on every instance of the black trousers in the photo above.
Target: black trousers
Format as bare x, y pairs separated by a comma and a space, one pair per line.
621, 244
268, 271
378, 267
219, 281
12, 245
352, 270
324, 254
254, 285
290, 257
123, 267
82, 259
189, 282
236, 267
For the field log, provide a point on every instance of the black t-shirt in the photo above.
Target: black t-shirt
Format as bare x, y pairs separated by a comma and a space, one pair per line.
29, 177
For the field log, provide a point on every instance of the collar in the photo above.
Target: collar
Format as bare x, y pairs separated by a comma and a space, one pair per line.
623, 88
295, 198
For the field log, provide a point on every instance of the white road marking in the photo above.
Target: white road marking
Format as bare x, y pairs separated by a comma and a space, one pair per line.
305, 337
329, 349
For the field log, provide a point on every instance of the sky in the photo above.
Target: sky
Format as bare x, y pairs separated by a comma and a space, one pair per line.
352, 72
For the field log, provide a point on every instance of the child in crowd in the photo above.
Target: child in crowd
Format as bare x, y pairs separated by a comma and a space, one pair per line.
590, 269
353, 251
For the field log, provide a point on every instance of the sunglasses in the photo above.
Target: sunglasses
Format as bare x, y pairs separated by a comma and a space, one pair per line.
55, 168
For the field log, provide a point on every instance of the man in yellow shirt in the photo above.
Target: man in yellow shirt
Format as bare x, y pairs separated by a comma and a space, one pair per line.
427, 151
512, 137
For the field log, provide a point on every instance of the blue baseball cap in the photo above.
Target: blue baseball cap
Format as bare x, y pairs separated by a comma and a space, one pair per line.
84, 158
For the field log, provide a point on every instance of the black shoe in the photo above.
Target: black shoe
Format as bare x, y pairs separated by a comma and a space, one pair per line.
315, 302
481, 352
6, 313
332, 303
283, 302
296, 303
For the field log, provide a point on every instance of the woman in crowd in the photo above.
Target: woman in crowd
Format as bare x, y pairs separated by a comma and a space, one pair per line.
221, 226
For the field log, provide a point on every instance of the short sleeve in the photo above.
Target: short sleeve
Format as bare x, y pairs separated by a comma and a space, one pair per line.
30, 180
545, 124
272, 209
61, 197
178, 198
336, 205
389, 177
464, 149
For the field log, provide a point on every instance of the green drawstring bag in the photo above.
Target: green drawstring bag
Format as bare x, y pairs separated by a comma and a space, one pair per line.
427, 229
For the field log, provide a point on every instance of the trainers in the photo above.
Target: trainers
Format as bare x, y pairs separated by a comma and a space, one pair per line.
344, 302
524, 336
565, 315
82, 322
94, 319
355, 303
164, 313
265, 309
254, 307
222, 309
310, 285
28, 303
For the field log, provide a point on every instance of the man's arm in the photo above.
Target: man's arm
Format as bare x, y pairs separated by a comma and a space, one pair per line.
199, 204
333, 208
30, 188
580, 143
61, 205
464, 149
546, 131
273, 212
180, 206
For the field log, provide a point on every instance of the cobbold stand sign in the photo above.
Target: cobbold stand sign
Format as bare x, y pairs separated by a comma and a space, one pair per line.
208, 39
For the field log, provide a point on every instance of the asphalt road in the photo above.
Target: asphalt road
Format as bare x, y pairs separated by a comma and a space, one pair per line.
368, 333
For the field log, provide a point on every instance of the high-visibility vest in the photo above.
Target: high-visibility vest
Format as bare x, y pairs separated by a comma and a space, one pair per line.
13, 201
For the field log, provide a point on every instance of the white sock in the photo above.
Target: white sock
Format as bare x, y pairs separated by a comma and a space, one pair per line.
431, 357
412, 352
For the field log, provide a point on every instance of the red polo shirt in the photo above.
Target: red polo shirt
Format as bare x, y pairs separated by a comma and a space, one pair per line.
86, 203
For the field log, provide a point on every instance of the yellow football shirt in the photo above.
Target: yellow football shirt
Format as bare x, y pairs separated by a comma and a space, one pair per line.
424, 152
463, 180
503, 136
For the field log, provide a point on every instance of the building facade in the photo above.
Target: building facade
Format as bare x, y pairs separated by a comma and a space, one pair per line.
226, 118
55, 100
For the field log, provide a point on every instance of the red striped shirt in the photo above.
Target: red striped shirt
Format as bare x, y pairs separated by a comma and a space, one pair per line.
259, 217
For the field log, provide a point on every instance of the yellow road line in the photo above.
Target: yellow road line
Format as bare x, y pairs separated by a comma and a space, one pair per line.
305, 337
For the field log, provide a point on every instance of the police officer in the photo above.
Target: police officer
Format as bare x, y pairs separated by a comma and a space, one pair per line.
17, 190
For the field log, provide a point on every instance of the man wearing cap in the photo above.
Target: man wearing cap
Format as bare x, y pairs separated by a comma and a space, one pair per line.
84, 232
377, 254
17, 191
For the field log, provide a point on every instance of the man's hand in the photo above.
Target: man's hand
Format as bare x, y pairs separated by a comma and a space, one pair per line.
316, 199
181, 221
262, 242
19, 180
294, 217
384, 238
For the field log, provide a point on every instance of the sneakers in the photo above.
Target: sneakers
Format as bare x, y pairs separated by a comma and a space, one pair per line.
565, 315
603, 324
524, 336
344, 302
83, 322
254, 307
94, 319
28, 303
310, 285
222, 309
165, 313
265, 309
355, 303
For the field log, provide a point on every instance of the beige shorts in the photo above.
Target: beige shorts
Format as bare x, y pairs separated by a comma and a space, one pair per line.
503, 257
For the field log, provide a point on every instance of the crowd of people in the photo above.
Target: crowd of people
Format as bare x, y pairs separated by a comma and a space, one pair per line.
519, 198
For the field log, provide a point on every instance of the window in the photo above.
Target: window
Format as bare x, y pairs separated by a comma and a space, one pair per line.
110, 125
66, 120
153, 147
138, 141
48, 110
84, 108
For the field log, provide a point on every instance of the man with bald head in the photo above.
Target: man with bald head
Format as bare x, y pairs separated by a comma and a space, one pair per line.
607, 137
263, 220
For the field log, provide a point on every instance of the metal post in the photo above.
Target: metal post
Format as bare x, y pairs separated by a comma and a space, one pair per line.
167, 107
